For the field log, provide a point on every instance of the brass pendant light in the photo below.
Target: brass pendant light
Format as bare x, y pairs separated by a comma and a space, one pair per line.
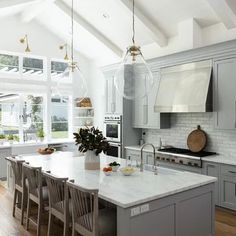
73, 71
133, 79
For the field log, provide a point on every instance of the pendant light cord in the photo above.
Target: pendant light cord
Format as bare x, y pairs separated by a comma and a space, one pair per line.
72, 31
133, 26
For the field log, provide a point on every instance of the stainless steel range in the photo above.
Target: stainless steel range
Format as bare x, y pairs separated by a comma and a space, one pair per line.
182, 156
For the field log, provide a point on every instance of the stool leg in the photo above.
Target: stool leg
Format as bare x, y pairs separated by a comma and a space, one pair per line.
14, 203
50, 219
39, 219
28, 213
22, 207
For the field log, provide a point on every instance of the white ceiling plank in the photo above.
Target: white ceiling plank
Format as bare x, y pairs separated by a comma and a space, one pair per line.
11, 3
32, 11
225, 10
91, 29
156, 34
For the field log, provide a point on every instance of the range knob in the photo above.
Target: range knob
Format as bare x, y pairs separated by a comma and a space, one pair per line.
189, 163
163, 158
195, 164
158, 158
181, 162
167, 159
173, 160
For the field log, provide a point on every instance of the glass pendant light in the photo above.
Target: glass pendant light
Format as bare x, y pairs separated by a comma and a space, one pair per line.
72, 71
133, 79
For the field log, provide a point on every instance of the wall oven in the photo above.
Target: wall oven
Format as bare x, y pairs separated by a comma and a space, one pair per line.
113, 128
115, 150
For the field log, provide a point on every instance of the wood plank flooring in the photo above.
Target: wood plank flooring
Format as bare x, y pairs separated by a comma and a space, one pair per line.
10, 226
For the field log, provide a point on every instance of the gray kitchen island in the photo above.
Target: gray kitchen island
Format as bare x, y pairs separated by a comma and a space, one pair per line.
172, 203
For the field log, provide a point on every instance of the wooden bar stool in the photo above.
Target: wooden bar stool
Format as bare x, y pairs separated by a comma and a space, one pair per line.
19, 188
58, 201
32, 178
87, 219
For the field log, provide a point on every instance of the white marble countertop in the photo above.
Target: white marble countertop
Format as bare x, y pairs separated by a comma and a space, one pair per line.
124, 191
218, 158
8, 145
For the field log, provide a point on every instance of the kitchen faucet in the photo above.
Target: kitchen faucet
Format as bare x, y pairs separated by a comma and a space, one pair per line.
154, 156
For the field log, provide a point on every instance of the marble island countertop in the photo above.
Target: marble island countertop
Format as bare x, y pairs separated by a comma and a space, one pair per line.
124, 191
218, 158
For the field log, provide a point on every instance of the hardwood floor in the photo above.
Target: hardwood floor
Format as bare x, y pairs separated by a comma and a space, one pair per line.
10, 226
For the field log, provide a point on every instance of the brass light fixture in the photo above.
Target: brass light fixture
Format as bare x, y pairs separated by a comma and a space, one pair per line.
73, 71
65, 47
25, 40
133, 79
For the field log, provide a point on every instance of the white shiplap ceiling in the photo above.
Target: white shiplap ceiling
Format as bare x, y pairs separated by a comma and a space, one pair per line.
99, 37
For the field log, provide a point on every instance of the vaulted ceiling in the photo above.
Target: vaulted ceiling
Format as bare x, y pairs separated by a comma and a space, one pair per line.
103, 27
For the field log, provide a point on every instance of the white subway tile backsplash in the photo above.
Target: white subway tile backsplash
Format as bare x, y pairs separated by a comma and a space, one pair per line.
220, 141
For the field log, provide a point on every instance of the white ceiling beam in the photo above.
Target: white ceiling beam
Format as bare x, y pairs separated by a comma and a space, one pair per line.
225, 10
12, 3
91, 29
156, 34
32, 11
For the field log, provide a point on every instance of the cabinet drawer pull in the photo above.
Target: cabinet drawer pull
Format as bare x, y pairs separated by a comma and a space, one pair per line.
232, 172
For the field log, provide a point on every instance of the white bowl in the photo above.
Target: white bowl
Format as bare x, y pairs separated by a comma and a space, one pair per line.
107, 173
115, 168
127, 170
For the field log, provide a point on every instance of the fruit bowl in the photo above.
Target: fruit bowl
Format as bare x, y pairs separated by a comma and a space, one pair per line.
127, 170
45, 151
115, 166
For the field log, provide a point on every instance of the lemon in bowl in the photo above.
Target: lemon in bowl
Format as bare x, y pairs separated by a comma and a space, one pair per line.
128, 170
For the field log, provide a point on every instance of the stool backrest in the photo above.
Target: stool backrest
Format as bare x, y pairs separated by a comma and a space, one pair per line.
84, 208
57, 192
33, 176
17, 169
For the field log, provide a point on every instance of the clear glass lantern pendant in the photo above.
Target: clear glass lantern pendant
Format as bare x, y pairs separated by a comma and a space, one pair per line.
73, 73
133, 78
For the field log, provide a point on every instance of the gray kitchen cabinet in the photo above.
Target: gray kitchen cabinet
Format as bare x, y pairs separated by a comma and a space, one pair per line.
228, 187
143, 110
212, 169
225, 93
113, 98
4, 152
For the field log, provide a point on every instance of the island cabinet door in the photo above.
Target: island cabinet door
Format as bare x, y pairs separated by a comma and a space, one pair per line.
194, 215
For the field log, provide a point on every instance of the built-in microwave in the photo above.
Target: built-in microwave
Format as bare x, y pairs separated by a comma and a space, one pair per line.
112, 128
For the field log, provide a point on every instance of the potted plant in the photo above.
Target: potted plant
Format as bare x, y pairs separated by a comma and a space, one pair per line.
2, 138
10, 138
92, 143
40, 135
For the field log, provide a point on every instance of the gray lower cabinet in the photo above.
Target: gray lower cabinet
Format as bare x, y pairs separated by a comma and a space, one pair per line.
225, 93
228, 187
212, 169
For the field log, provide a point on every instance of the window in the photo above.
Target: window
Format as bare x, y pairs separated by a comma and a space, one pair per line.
59, 117
9, 63
9, 115
32, 66
32, 117
21, 116
57, 68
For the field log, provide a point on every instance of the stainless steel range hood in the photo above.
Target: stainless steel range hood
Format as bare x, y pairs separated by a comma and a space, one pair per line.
185, 88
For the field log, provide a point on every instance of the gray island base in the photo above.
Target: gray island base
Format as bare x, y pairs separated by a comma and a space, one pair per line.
189, 213
172, 203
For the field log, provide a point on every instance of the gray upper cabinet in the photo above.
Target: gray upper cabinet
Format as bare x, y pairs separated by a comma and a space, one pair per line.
113, 98
143, 110
225, 93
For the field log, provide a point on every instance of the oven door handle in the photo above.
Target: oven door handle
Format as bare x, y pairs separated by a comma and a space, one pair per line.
115, 144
